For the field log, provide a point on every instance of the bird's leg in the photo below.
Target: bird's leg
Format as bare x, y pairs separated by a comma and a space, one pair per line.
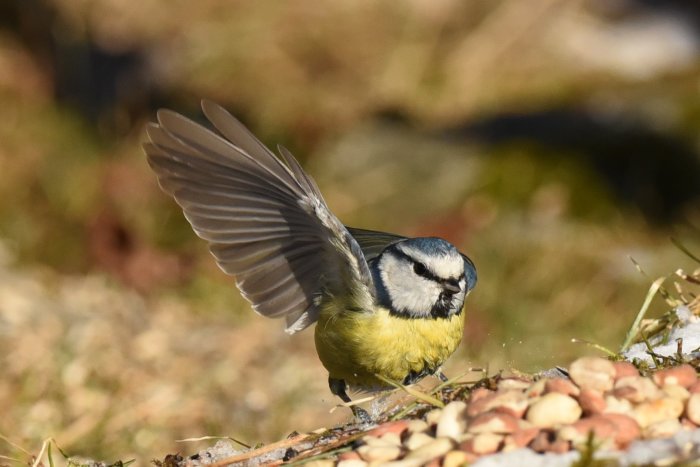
338, 387
442, 376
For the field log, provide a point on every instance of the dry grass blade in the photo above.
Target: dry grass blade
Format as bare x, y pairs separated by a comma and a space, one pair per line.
634, 330
415, 393
684, 249
596, 346
207, 438
260, 451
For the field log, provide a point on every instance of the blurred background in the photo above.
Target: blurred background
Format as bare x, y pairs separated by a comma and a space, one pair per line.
551, 140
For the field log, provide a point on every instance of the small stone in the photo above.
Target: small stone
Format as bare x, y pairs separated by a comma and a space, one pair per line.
320, 463
520, 438
591, 401
417, 440
391, 438
482, 443
352, 463
512, 401
682, 375
417, 426
542, 441
627, 428
692, 408
663, 429
349, 456
688, 425
578, 432
437, 448
559, 446
389, 427
379, 453
676, 392
479, 393
636, 389
624, 369
615, 405
519, 384
695, 387
648, 413
493, 422
553, 409
563, 386
456, 459
593, 373
536, 389
432, 417
452, 422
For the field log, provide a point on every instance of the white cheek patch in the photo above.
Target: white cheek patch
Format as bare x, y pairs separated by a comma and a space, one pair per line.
407, 291
446, 267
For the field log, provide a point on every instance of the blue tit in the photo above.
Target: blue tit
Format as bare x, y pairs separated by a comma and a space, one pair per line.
386, 307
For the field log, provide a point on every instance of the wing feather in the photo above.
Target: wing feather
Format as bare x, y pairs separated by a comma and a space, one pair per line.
264, 217
373, 242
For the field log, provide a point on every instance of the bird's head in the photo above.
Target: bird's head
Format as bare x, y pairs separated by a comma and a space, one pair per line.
423, 278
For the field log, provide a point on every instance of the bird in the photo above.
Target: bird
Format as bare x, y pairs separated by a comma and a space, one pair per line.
386, 308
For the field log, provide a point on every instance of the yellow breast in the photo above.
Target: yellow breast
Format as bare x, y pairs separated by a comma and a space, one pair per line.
356, 346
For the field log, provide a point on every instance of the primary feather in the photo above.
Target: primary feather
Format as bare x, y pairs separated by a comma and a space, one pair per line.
266, 221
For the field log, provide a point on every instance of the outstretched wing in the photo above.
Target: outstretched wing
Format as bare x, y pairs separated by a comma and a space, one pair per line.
266, 221
373, 242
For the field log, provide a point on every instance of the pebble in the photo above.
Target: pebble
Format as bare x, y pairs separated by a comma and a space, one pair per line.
456, 459
695, 387
561, 385
553, 409
627, 428
493, 422
636, 389
578, 432
479, 393
352, 463
482, 443
676, 392
536, 389
321, 463
519, 384
682, 375
521, 438
591, 401
543, 441
615, 405
514, 402
417, 426
623, 369
452, 422
650, 412
593, 373
437, 448
379, 453
619, 406
417, 440
663, 429
692, 408
432, 417
390, 427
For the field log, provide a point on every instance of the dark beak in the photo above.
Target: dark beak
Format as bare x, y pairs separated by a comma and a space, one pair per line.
451, 287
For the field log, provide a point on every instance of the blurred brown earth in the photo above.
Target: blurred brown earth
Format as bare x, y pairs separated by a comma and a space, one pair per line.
549, 139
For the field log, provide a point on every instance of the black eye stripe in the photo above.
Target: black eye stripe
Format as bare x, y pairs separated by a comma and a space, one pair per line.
424, 271
420, 269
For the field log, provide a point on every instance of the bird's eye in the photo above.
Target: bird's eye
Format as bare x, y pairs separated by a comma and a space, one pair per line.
419, 268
